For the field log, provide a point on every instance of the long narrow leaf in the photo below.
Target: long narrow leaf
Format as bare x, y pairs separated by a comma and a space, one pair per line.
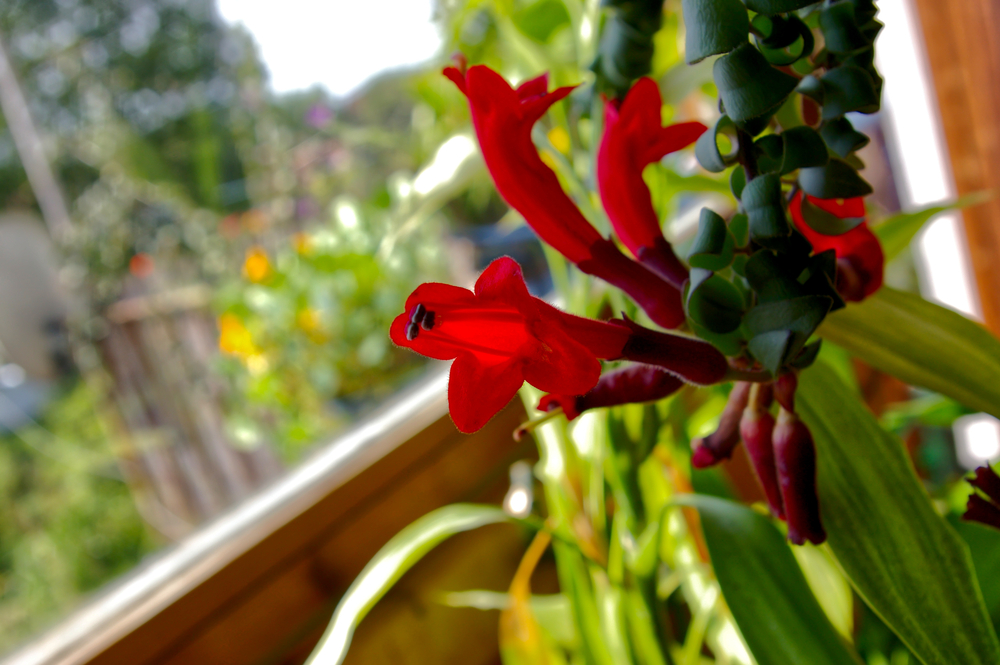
765, 589
395, 558
896, 232
923, 344
902, 558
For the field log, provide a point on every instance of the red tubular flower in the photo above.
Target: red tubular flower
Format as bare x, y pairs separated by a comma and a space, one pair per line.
984, 510
634, 138
503, 118
501, 336
756, 430
860, 260
795, 460
629, 385
719, 445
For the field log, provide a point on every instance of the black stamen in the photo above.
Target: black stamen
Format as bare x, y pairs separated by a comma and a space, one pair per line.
412, 330
428, 321
417, 313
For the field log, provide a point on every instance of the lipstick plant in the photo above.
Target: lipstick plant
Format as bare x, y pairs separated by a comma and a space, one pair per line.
666, 353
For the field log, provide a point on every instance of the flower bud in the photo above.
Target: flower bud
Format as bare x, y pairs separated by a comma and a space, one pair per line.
719, 445
795, 457
756, 428
784, 390
629, 385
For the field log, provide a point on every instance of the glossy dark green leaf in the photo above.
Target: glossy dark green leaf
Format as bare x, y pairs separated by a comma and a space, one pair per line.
384, 570
800, 315
811, 87
713, 27
777, 6
774, 608
803, 148
840, 28
771, 348
836, 180
706, 149
764, 208
712, 248
770, 278
749, 86
807, 356
769, 149
713, 302
828, 224
896, 232
737, 181
902, 558
923, 344
842, 138
739, 227
847, 89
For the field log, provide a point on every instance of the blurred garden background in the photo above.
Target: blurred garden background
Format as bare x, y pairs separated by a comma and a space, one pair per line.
216, 304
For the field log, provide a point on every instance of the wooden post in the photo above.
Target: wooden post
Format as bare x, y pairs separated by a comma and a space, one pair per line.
963, 48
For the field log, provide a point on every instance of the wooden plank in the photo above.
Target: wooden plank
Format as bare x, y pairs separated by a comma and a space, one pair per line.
963, 48
268, 612
227, 598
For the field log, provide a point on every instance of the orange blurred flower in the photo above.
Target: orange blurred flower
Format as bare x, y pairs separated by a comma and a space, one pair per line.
234, 338
257, 267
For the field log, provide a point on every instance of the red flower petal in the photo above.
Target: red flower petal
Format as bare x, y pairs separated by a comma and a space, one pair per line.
633, 138
476, 392
859, 247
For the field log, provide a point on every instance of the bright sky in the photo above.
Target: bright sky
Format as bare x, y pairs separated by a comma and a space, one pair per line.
336, 43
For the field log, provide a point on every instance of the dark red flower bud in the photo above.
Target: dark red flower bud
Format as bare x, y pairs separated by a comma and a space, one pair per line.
795, 458
629, 385
988, 482
689, 358
756, 429
980, 510
719, 445
784, 390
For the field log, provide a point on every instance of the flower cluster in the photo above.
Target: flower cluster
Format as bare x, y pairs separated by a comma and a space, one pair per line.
500, 336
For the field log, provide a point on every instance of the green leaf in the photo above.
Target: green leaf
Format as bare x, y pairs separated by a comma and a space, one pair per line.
842, 138
902, 558
713, 27
706, 149
777, 6
803, 148
923, 344
840, 29
714, 302
541, 19
771, 348
800, 315
827, 223
397, 556
777, 614
896, 232
836, 180
766, 212
749, 86
712, 248
847, 89
739, 227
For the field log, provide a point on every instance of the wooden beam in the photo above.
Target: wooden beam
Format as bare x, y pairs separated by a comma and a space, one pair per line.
963, 48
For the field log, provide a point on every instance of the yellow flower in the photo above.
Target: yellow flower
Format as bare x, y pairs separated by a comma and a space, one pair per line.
234, 338
257, 267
